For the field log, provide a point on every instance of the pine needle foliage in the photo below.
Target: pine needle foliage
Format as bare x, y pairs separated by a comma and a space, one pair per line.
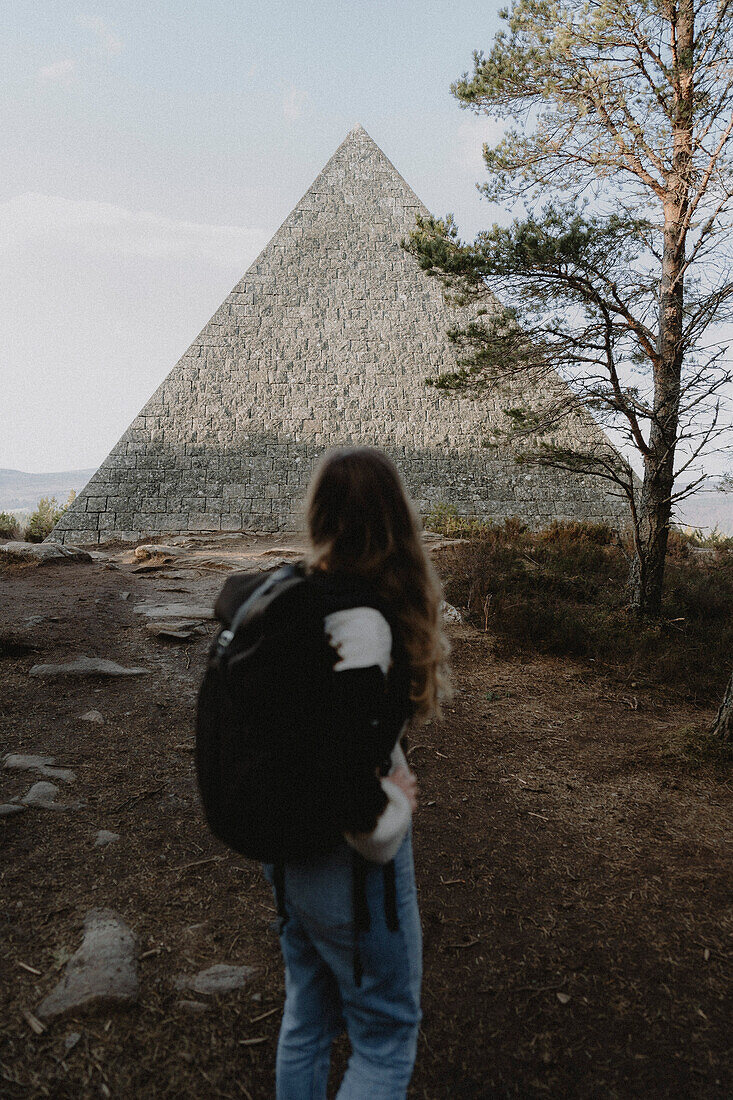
619, 153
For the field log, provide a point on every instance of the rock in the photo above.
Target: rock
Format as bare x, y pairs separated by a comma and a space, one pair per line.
105, 837
10, 809
39, 764
85, 666
170, 611
125, 595
151, 550
180, 629
24, 763
43, 553
103, 971
41, 794
450, 613
193, 1006
93, 716
220, 978
71, 1040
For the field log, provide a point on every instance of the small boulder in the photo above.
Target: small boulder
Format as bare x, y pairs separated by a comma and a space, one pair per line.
220, 978
103, 971
43, 553
85, 666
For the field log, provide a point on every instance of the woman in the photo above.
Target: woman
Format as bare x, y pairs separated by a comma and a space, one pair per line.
350, 936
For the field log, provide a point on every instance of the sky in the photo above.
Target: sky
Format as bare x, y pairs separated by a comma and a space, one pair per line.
151, 149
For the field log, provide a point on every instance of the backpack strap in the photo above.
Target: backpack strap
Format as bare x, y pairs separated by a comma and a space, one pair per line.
258, 601
362, 919
361, 909
390, 897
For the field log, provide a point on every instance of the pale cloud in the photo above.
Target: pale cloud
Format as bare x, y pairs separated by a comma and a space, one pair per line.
32, 221
59, 72
109, 44
293, 103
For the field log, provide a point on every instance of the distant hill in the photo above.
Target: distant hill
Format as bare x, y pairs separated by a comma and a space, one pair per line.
20, 492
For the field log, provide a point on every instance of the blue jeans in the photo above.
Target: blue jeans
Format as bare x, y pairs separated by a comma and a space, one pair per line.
382, 1014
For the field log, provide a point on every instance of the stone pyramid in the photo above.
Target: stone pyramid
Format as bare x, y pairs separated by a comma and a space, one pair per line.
327, 339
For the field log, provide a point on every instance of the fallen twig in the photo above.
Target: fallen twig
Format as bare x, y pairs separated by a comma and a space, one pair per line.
30, 969
199, 863
33, 1022
264, 1015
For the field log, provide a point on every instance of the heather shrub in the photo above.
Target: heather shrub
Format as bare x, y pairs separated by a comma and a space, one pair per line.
562, 591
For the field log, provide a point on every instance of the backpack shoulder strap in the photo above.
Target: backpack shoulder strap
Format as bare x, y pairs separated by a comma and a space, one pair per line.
258, 601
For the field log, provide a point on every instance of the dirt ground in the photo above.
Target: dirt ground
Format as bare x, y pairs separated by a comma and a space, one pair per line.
574, 879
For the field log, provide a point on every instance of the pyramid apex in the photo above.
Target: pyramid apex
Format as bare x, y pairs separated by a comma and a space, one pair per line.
358, 131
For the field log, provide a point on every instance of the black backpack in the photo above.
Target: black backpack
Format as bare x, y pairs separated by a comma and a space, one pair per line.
263, 747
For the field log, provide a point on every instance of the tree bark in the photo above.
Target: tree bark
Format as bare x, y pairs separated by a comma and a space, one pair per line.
723, 724
647, 571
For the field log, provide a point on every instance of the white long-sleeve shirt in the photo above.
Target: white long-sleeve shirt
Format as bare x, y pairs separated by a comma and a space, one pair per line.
362, 638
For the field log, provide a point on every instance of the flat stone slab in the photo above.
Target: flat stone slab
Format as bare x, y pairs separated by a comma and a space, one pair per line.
179, 629
21, 762
220, 978
10, 809
43, 552
41, 794
103, 971
39, 764
85, 666
169, 611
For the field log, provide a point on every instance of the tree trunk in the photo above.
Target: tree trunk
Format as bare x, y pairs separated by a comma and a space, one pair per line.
647, 567
723, 724
647, 570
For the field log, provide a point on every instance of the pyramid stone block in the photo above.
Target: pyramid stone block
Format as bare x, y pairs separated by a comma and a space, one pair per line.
327, 339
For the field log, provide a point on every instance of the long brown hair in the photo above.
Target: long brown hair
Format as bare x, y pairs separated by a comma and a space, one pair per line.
361, 521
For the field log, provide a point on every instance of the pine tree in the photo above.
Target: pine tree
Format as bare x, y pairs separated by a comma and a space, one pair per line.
621, 121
